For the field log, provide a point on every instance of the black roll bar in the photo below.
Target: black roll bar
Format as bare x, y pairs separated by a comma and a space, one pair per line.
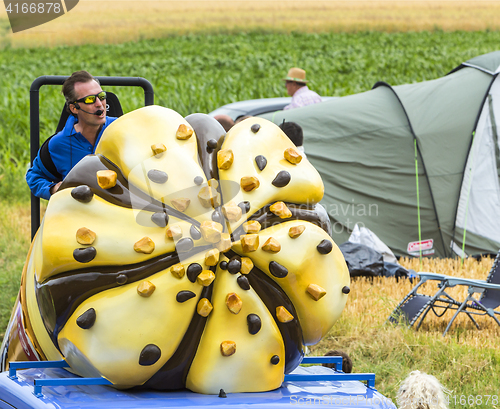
35, 119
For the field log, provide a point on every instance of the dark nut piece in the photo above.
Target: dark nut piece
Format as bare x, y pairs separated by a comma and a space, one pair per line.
227, 348
296, 231
144, 245
281, 210
183, 132
145, 288
283, 315
234, 303
204, 307
106, 179
292, 156
85, 236
249, 183
181, 204
271, 245
225, 159
315, 291
249, 242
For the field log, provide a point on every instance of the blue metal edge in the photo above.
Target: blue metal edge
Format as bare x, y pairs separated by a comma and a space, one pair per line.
303, 387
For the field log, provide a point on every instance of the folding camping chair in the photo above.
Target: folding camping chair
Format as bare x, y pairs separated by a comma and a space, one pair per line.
414, 306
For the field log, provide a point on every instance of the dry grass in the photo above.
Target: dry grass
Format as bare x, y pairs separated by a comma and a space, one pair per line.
116, 21
15, 218
371, 302
463, 360
469, 268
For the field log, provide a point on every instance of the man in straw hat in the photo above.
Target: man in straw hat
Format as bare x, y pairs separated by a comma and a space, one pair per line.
297, 89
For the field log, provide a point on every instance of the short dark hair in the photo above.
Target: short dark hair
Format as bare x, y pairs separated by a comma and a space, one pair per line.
346, 360
226, 121
68, 88
241, 118
294, 132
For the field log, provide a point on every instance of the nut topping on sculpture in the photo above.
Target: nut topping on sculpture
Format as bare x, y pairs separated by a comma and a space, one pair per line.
195, 264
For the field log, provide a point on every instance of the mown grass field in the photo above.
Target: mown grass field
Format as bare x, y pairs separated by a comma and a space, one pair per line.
113, 22
197, 59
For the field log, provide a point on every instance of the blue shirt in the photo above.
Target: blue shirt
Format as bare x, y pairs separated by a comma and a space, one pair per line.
66, 149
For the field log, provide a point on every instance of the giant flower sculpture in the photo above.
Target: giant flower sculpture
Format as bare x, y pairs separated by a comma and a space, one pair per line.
179, 256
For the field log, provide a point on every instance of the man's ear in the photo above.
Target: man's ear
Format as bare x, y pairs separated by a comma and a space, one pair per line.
72, 108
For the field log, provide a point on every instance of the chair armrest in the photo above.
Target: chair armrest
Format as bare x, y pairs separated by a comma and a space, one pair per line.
453, 281
424, 276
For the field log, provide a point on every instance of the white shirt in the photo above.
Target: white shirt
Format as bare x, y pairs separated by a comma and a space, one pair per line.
302, 97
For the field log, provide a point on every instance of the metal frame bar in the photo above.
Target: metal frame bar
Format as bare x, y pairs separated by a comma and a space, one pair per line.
39, 383
368, 377
337, 360
14, 366
66, 382
337, 376
35, 119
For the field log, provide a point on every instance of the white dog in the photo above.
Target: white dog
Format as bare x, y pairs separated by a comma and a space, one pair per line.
421, 391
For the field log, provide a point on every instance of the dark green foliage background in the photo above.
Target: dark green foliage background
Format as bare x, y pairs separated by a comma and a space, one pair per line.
198, 73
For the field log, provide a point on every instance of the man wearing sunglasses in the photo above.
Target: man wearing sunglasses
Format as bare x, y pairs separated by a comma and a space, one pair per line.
86, 102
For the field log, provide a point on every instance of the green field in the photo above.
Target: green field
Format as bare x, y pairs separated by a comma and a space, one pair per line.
198, 73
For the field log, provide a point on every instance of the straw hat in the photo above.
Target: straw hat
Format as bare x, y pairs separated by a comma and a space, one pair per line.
296, 74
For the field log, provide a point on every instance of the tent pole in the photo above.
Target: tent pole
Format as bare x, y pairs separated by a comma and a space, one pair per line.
381, 83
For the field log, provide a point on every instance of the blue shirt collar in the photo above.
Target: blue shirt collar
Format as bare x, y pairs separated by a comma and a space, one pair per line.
70, 124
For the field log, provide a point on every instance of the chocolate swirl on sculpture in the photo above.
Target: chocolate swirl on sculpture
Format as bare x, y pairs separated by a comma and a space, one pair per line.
59, 296
315, 214
174, 373
273, 296
210, 135
123, 194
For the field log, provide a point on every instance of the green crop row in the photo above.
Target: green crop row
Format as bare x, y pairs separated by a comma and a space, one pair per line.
198, 73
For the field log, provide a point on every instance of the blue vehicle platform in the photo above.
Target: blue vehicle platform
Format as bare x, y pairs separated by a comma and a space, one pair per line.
49, 385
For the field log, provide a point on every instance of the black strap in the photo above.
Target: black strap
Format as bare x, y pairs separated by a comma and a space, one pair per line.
47, 160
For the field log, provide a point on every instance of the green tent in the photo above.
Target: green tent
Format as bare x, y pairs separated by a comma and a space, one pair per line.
417, 164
